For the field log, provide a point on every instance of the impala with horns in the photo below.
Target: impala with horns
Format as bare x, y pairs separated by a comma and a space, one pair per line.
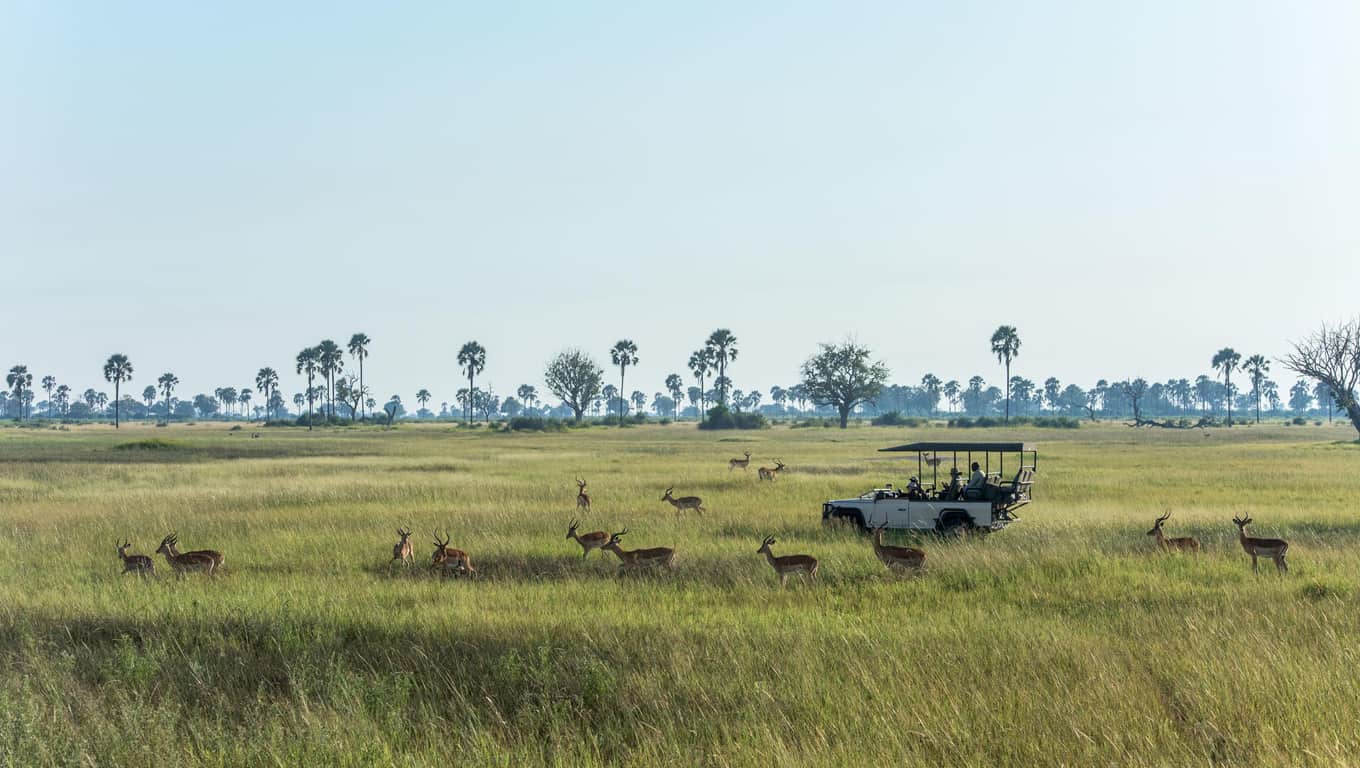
205, 560
588, 541
788, 565
582, 498
1181, 543
768, 473
403, 550
905, 558
743, 463
1274, 549
684, 502
138, 564
449, 560
638, 559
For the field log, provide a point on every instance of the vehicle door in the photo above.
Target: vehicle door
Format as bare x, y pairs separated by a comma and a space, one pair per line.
889, 510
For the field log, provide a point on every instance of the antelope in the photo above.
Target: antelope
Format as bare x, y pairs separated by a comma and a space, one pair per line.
766, 473
743, 463
933, 461
637, 559
582, 498
403, 550
684, 502
1274, 549
450, 560
138, 564
592, 540
1183, 543
788, 565
205, 560
898, 557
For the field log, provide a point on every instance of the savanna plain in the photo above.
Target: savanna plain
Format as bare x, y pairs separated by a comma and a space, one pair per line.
1067, 639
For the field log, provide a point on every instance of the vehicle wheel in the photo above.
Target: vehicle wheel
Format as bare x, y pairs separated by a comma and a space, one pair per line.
956, 527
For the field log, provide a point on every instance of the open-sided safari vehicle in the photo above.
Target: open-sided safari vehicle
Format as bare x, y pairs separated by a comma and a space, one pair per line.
947, 505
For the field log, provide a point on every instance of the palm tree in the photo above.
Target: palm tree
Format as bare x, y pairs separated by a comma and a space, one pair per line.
267, 380
675, 386
1226, 360
472, 359
951, 393
49, 383
623, 354
358, 347
149, 395
102, 400
244, 397
527, 394
117, 369
168, 382
423, 397
930, 383
19, 381
309, 362
700, 361
1256, 367
331, 360
723, 347
1006, 346
64, 397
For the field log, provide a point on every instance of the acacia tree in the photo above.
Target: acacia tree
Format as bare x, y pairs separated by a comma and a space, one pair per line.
358, 347
1332, 358
117, 369
843, 376
472, 359
1006, 347
168, 382
267, 380
675, 386
308, 363
623, 354
575, 378
722, 348
1256, 367
1226, 360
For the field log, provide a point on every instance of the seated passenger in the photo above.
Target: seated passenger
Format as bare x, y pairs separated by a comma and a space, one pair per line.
955, 488
914, 490
977, 484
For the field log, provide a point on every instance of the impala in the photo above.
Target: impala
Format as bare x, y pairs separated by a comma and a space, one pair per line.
582, 498
205, 560
589, 541
767, 473
786, 566
403, 550
1274, 549
743, 463
684, 502
138, 564
450, 560
909, 558
1183, 543
637, 559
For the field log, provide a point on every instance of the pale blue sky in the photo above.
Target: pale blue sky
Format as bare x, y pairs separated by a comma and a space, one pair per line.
1133, 185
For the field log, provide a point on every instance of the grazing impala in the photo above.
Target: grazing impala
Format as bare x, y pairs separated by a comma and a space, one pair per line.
449, 560
205, 560
743, 463
138, 564
786, 566
588, 541
1274, 549
767, 473
1182, 543
908, 558
684, 502
582, 498
637, 559
218, 558
403, 550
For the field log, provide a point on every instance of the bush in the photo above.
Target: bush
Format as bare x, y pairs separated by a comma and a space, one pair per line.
1299, 421
149, 444
534, 424
896, 419
813, 422
1041, 422
719, 417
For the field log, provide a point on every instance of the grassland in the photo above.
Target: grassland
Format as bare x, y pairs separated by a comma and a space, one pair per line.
1065, 640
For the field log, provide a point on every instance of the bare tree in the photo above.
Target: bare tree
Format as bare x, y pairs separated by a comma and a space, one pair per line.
1332, 357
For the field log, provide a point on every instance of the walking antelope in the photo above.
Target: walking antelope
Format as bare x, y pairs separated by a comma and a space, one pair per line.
403, 550
582, 498
743, 463
898, 557
138, 564
1274, 549
205, 560
448, 559
786, 566
589, 541
684, 502
1183, 543
766, 473
637, 559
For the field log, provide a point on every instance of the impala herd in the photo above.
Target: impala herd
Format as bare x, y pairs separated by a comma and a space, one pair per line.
450, 561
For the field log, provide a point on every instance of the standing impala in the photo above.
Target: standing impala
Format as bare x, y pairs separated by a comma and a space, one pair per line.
588, 541
138, 564
205, 560
743, 463
637, 559
1182, 543
449, 560
1274, 549
403, 550
786, 566
767, 473
684, 502
217, 557
582, 498
908, 558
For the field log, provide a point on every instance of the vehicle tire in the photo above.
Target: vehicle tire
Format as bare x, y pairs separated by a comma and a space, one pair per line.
851, 516
955, 525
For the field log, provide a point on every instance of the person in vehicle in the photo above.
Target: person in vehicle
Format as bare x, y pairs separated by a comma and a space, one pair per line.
914, 490
955, 488
977, 484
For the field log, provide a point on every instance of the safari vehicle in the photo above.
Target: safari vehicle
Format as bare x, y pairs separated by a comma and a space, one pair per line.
940, 507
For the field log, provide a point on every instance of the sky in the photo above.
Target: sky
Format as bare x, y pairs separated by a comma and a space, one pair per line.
208, 188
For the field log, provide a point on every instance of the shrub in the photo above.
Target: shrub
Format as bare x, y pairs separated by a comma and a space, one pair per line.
896, 419
149, 444
534, 424
719, 417
1041, 422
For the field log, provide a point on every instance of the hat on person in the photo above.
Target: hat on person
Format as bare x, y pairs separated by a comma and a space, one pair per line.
953, 470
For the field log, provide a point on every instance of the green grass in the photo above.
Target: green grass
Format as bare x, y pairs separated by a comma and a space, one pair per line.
1064, 640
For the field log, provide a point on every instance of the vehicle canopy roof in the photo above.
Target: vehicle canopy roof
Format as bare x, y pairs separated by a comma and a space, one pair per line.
951, 447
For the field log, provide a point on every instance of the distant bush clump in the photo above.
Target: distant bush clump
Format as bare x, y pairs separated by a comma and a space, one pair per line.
719, 417
1041, 422
813, 422
149, 444
896, 419
534, 424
